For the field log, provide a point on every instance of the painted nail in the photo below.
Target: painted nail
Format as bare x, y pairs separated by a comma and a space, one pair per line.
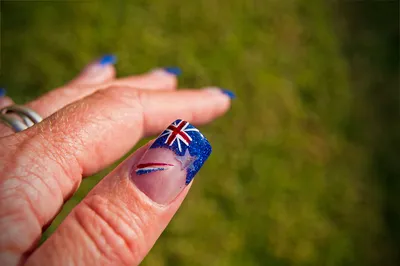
173, 70
108, 60
2, 92
229, 93
97, 68
171, 162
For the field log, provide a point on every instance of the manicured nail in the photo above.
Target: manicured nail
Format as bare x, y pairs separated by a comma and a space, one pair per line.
171, 162
108, 60
229, 93
95, 69
2, 92
173, 70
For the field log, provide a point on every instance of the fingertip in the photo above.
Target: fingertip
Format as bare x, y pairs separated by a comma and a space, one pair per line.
176, 71
167, 71
222, 100
216, 90
157, 79
101, 70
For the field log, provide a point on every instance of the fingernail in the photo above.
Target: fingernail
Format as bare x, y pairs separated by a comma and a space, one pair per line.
171, 162
97, 68
2, 92
108, 60
229, 93
173, 70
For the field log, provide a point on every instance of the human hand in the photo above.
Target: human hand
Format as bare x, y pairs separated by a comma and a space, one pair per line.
91, 122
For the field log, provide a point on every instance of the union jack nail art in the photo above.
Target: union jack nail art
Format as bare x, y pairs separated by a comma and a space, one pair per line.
171, 162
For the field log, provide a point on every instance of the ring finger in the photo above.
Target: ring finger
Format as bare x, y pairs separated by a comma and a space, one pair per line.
96, 76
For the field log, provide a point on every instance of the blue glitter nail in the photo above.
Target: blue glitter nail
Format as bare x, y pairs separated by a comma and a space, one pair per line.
229, 93
173, 70
2, 92
191, 148
108, 60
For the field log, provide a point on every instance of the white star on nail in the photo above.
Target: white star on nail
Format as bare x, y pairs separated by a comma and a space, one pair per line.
186, 160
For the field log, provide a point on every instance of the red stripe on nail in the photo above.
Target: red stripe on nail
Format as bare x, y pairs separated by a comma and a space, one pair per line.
143, 165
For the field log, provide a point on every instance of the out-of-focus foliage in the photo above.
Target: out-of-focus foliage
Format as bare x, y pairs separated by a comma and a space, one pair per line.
304, 168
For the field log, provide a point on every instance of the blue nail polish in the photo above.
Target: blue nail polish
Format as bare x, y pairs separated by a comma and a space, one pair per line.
173, 70
229, 93
108, 60
2, 92
190, 147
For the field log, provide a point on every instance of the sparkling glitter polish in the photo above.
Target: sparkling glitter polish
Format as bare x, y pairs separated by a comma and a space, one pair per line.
171, 162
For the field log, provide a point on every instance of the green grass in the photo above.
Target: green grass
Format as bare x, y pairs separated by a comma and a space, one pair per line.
293, 178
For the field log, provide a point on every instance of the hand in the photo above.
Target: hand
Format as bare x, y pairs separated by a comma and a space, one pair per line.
90, 123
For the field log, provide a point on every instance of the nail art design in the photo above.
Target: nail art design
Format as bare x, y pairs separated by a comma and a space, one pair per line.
171, 162
191, 148
145, 168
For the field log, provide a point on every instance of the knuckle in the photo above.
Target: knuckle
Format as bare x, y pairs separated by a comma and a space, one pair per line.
117, 234
122, 102
121, 96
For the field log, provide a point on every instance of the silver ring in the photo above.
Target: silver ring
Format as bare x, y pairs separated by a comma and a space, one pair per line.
19, 117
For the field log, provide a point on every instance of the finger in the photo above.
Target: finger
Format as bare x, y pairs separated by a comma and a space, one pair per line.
161, 79
198, 106
122, 217
100, 71
79, 140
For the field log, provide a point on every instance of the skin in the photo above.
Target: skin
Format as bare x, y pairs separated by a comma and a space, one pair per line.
91, 122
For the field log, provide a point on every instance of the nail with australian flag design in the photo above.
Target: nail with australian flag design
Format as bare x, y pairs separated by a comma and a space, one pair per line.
171, 162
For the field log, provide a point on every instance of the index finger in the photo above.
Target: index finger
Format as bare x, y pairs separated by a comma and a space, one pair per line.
122, 217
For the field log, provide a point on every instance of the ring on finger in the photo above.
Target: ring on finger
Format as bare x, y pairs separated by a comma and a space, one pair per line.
19, 117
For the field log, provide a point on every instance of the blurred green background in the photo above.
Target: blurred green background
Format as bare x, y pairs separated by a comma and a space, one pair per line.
305, 168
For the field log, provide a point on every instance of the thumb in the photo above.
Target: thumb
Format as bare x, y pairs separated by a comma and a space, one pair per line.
99, 71
123, 216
